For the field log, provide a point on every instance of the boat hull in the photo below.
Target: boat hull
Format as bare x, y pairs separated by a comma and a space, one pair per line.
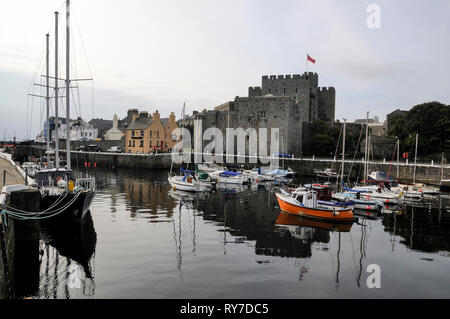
342, 215
76, 211
189, 187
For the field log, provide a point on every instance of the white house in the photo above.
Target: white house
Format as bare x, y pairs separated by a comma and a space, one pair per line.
114, 134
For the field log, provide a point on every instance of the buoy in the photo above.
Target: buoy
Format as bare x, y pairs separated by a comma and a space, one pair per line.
95, 165
85, 164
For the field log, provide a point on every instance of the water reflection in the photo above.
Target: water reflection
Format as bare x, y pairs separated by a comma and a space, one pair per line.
180, 244
423, 228
67, 258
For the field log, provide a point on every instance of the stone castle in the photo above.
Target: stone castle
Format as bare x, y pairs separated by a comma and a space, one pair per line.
286, 102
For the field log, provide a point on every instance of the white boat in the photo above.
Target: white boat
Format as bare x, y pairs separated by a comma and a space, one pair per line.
229, 177
378, 193
257, 175
328, 173
189, 183
360, 201
425, 189
281, 173
408, 193
210, 167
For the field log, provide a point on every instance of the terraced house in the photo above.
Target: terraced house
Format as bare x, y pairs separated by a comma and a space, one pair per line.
149, 133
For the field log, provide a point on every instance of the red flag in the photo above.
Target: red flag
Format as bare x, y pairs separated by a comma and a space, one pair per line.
311, 59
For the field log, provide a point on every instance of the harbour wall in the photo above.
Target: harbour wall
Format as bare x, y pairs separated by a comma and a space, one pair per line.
425, 172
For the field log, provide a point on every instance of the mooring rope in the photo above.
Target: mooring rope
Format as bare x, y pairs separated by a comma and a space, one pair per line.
37, 215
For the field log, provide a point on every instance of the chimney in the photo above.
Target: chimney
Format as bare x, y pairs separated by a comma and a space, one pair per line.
134, 115
156, 116
172, 117
115, 121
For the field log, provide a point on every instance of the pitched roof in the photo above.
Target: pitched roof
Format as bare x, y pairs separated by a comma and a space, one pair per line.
140, 124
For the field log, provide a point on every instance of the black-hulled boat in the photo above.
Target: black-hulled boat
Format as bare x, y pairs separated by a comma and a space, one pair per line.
64, 195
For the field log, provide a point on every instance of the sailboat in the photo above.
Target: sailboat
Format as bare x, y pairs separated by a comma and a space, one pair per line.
61, 192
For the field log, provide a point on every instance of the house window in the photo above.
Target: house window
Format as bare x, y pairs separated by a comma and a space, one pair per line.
150, 143
157, 144
129, 143
132, 133
157, 134
151, 133
134, 144
142, 133
141, 144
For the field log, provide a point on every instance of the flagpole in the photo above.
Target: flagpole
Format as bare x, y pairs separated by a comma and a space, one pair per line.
307, 63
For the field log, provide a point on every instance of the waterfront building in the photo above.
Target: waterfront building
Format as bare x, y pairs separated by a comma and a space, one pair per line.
79, 130
284, 102
114, 134
376, 127
149, 133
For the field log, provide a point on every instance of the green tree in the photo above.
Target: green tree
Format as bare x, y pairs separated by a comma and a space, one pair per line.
431, 121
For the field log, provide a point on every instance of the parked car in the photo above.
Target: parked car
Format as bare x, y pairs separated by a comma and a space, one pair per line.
115, 149
93, 148
81, 148
282, 155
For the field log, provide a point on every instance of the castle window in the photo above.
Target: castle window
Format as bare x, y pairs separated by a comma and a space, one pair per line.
296, 90
270, 91
284, 90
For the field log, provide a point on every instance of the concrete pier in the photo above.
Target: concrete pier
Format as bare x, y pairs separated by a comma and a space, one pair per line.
13, 175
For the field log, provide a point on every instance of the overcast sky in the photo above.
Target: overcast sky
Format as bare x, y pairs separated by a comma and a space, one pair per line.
155, 55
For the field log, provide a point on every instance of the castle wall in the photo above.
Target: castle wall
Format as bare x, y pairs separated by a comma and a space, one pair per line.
326, 98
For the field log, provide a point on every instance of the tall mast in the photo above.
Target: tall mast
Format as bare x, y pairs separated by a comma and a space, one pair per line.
47, 97
366, 150
398, 157
68, 83
415, 158
56, 94
343, 156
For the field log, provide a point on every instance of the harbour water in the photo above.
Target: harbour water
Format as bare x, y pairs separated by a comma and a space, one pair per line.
144, 240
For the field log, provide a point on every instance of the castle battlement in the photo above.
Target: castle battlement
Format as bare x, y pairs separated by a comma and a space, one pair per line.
327, 89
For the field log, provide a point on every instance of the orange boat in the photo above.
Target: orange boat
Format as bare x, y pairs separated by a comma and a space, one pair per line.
304, 203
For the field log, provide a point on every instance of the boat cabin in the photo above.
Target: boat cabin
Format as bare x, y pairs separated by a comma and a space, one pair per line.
308, 198
323, 191
50, 177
